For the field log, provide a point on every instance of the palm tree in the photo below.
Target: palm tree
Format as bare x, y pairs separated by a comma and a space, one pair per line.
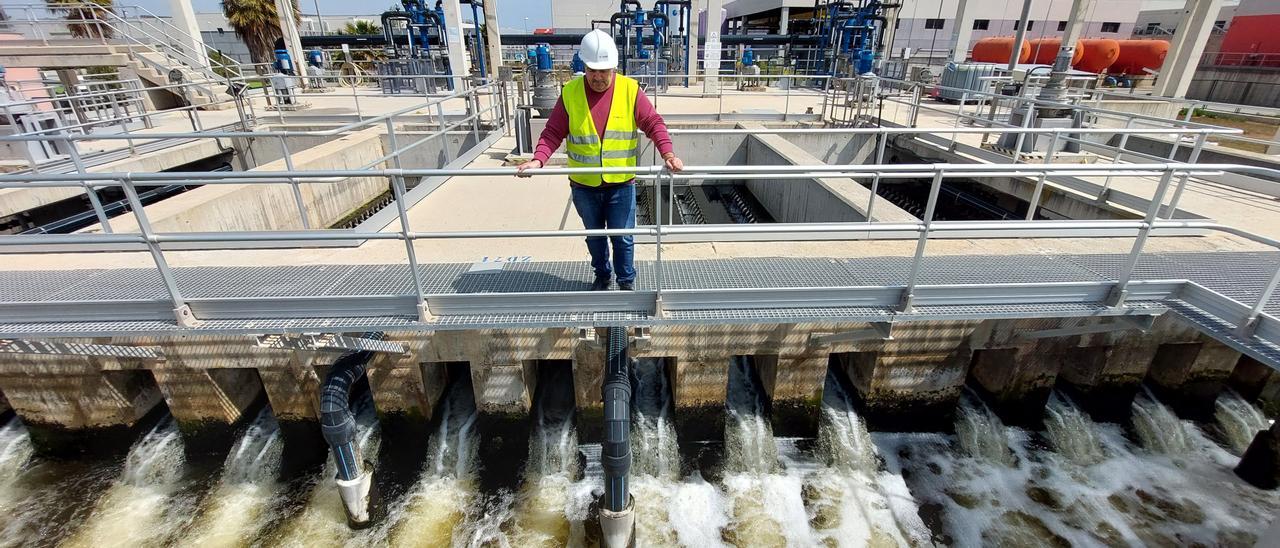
256, 23
82, 16
361, 26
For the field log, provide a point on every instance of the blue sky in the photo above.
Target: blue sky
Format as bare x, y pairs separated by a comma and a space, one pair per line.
510, 15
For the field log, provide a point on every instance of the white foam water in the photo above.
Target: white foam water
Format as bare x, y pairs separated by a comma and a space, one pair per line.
139, 509
1238, 421
1158, 428
248, 492
16, 454
1132, 496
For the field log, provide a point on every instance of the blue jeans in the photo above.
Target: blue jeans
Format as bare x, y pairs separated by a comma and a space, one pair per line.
610, 206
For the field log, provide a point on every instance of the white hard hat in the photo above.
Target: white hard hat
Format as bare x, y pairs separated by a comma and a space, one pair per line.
598, 50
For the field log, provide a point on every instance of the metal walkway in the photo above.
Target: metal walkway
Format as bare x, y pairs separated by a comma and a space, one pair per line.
251, 300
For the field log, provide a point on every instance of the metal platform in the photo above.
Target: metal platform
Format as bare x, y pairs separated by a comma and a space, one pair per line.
347, 298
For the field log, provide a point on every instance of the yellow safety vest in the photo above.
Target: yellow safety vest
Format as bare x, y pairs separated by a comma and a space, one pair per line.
620, 138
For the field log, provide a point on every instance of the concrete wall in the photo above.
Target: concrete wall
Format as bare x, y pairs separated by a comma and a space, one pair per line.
240, 207
826, 199
1240, 85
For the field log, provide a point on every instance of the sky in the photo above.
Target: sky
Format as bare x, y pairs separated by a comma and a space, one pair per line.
511, 13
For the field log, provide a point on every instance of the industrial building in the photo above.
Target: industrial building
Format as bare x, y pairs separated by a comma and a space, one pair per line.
908, 274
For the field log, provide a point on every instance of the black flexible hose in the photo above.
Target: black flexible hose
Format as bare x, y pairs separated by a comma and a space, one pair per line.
337, 422
615, 455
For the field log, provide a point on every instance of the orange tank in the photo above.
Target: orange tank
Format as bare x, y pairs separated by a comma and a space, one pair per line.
1099, 53
1136, 55
998, 49
1045, 50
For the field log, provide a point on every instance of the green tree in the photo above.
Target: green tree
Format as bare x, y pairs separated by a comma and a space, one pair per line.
83, 16
256, 23
361, 26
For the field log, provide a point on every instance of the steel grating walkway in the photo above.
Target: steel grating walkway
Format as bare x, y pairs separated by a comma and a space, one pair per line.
1238, 275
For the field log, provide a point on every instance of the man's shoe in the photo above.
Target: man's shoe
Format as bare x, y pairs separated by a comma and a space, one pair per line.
601, 284
627, 286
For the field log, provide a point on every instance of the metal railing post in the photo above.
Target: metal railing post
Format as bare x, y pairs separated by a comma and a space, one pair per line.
89, 191
1035, 198
444, 134
883, 137
908, 294
293, 182
397, 188
395, 147
657, 274
181, 311
786, 106
1053, 144
1182, 180
1124, 140
1026, 124
1250, 324
1120, 292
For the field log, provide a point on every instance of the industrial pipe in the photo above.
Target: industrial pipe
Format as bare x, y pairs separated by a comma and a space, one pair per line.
617, 521
338, 426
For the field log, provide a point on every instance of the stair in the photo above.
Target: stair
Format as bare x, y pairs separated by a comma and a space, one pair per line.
155, 67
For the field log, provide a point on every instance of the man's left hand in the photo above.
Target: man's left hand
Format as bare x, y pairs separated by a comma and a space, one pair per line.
674, 164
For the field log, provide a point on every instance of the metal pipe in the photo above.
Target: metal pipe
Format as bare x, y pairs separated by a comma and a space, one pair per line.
615, 451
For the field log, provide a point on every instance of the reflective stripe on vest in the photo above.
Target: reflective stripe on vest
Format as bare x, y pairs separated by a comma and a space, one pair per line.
584, 146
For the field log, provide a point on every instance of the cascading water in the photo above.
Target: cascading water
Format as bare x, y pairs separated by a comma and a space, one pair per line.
322, 521
1238, 421
851, 500
140, 508
15, 456
767, 506
981, 434
435, 511
247, 494
1157, 427
1089, 485
1072, 434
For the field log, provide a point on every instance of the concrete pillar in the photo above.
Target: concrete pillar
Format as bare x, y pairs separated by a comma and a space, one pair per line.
961, 33
784, 19
405, 393
1189, 376
701, 384
289, 30
1105, 373
492, 37
711, 55
1018, 381
293, 391
209, 404
1260, 464
71, 406
909, 391
184, 17
1258, 383
459, 61
797, 388
1181, 63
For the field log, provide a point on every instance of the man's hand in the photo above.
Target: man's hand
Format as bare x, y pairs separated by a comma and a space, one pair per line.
531, 164
674, 164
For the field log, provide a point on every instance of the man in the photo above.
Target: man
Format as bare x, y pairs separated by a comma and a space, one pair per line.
600, 113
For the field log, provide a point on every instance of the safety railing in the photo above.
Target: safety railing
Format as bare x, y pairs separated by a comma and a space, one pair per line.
1250, 317
486, 110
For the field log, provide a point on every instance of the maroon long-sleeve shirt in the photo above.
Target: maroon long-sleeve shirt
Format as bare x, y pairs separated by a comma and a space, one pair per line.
647, 120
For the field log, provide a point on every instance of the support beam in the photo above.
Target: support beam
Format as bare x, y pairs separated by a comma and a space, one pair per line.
335, 342
20, 346
1056, 88
691, 64
1119, 323
459, 60
784, 18
1180, 66
711, 52
878, 330
962, 32
184, 17
492, 37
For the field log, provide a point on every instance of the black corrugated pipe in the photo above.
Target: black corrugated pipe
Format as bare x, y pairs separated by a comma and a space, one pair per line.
616, 519
338, 426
